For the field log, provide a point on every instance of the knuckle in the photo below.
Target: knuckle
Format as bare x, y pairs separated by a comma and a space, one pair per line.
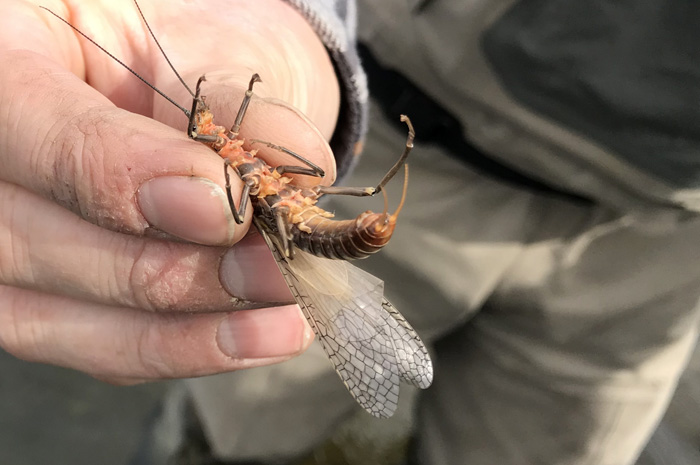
153, 357
156, 277
13, 246
167, 276
61, 163
21, 332
85, 176
177, 346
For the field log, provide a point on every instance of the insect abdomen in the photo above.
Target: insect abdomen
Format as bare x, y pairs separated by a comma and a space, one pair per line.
347, 239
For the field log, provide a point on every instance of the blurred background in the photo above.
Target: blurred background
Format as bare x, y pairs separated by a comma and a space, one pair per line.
51, 415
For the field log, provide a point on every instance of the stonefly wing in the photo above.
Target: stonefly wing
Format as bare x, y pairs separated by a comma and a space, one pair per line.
369, 343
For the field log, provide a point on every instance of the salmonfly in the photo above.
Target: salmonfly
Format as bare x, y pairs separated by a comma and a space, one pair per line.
370, 344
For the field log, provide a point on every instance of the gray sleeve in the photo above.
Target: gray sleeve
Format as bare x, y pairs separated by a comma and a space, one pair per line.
335, 23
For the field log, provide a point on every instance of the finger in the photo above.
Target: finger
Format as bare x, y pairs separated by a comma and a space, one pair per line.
45, 247
297, 103
70, 145
305, 78
235, 38
272, 120
119, 343
249, 271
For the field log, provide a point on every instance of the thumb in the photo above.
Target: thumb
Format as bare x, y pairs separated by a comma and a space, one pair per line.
62, 139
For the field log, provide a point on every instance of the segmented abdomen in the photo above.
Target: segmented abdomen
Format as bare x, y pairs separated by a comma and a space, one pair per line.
346, 239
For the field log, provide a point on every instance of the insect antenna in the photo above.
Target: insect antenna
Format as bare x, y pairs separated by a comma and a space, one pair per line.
142, 79
403, 195
153, 36
386, 202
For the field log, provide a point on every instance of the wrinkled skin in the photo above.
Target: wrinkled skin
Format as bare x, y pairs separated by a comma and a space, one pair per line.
114, 231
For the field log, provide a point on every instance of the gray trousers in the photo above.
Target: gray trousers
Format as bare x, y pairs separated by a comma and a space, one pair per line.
559, 329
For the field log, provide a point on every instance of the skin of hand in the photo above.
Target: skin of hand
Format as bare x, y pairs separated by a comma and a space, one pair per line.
114, 226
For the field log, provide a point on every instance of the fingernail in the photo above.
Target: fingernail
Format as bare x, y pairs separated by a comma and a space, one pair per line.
263, 333
248, 271
189, 207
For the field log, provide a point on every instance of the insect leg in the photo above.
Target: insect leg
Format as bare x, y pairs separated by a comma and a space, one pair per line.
292, 169
192, 122
281, 239
245, 195
233, 133
284, 233
340, 190
369, 191
314, 170
402, 159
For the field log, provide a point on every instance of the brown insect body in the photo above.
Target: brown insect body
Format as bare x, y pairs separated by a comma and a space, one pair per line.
346, 239
311, 228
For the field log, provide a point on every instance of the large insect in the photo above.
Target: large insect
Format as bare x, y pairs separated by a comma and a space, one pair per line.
370, 344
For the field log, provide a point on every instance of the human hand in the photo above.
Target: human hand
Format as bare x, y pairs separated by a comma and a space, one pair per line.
93, 188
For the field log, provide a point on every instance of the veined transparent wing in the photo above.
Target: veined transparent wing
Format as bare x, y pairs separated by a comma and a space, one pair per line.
369, 343
415, 366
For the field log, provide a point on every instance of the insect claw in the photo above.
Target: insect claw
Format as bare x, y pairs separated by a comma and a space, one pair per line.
253, 80
411, 131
